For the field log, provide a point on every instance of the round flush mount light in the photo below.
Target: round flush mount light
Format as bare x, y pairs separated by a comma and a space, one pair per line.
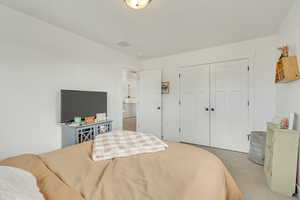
137, 4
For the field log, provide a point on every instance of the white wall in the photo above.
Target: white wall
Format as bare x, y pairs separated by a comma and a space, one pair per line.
36, 61
262, 54
288, 95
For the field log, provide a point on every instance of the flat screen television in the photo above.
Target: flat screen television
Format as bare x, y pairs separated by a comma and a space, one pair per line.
81, 104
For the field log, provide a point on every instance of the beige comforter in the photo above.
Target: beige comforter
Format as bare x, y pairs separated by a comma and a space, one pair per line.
182, 172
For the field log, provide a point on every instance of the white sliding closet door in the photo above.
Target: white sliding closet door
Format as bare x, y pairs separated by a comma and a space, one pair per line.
229, 105
195, 105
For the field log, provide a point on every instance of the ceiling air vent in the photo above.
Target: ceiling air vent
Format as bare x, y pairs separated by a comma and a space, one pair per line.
123, 44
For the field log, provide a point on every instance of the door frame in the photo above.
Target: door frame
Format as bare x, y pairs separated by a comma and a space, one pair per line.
250, 59
124, 70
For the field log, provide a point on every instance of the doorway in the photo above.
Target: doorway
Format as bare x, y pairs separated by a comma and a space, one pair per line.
142, 108
130, 82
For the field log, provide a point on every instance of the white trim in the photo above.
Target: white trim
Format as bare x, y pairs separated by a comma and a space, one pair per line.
217, 61
251, 60
179, 72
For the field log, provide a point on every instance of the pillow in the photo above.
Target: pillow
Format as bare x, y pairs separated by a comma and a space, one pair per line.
18, 184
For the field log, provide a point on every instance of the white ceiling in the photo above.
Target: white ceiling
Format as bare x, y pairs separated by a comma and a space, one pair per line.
165, 27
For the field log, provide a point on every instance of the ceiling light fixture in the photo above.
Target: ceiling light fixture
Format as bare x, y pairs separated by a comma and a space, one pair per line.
137, 4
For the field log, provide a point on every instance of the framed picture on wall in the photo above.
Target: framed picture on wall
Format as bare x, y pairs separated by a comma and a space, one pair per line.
165, 87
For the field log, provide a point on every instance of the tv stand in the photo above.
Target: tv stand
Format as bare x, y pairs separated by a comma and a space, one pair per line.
75, 134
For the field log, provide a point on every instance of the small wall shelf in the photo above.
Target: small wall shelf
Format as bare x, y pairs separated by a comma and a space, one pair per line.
287, 70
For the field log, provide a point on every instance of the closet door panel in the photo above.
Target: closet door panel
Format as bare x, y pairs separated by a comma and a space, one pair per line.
229, 99
195, 104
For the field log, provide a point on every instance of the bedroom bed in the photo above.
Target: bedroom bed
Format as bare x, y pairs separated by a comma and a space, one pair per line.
182, 172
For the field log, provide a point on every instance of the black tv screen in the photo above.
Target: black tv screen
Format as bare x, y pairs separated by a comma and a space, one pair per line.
81, 104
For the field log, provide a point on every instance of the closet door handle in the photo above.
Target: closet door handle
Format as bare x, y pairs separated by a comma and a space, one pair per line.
207, 109
212, 109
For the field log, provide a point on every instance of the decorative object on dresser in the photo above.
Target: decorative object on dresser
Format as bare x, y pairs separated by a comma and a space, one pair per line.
281, 155
292, 121
77, 119
89, 120
75, 134
101, 117
284, 123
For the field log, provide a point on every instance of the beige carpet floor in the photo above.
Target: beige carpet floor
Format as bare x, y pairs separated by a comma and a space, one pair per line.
249, 176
